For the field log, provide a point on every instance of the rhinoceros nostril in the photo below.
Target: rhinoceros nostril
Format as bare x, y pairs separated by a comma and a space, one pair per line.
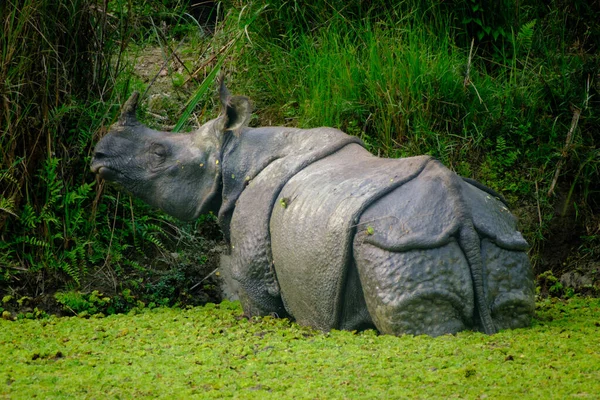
98, 155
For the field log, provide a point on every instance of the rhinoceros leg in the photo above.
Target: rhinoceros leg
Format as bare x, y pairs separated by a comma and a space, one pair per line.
470, 244
507, 276
354, 315
509, 286
421, 291
249, 277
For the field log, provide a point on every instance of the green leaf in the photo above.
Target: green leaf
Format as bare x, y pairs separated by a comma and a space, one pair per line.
203, 89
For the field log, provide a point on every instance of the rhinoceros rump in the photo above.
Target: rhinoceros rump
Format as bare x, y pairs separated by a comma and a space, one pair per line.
323, 232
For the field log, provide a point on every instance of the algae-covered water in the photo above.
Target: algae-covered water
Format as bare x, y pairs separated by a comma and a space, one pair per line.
213, 352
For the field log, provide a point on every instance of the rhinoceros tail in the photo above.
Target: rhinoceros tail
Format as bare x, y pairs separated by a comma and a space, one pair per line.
470, 243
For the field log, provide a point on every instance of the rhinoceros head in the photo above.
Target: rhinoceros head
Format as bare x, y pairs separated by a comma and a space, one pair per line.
179, 173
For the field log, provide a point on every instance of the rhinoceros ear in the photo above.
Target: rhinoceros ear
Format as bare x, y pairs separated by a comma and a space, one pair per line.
127, 116
238, 113
237, 110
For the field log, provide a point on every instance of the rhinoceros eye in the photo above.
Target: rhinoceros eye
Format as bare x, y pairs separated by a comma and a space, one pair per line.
158, 150
157, 154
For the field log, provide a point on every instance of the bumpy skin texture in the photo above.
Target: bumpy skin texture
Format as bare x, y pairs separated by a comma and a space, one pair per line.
323, 232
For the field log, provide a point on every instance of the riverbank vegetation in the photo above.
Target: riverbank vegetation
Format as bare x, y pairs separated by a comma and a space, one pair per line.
506, 93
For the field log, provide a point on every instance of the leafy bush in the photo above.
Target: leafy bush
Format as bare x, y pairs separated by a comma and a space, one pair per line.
64, 74
79, 303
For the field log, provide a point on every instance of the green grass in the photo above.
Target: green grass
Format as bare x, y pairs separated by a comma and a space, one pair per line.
211, 352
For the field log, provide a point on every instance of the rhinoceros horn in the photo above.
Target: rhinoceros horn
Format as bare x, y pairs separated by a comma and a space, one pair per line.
127, 116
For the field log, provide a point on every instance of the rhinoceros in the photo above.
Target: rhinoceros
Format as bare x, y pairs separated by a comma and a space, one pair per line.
323, 232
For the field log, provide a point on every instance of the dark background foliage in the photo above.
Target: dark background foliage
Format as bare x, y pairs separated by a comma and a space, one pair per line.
505, 92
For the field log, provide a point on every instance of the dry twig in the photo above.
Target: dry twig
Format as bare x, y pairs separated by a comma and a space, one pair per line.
537, 199
210, 60
565, 152
468, 81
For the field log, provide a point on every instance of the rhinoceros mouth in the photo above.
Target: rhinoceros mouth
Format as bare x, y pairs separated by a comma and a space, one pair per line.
105, 172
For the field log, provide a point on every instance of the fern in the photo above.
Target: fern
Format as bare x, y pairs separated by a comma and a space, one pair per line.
81, 193
84, 138
31, 241
85, 190
525, 36
501, 145
29, 218
70, 269
8, 176
155, 241
55, 236
526, 33
155, 228
7, 205
49, 217
73, 262
136, 265
506, 154
54, 185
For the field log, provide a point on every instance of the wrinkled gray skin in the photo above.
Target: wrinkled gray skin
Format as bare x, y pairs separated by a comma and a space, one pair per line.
325, 233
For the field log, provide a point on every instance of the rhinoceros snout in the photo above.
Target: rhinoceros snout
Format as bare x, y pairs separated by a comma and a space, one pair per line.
102, 166
97, 161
